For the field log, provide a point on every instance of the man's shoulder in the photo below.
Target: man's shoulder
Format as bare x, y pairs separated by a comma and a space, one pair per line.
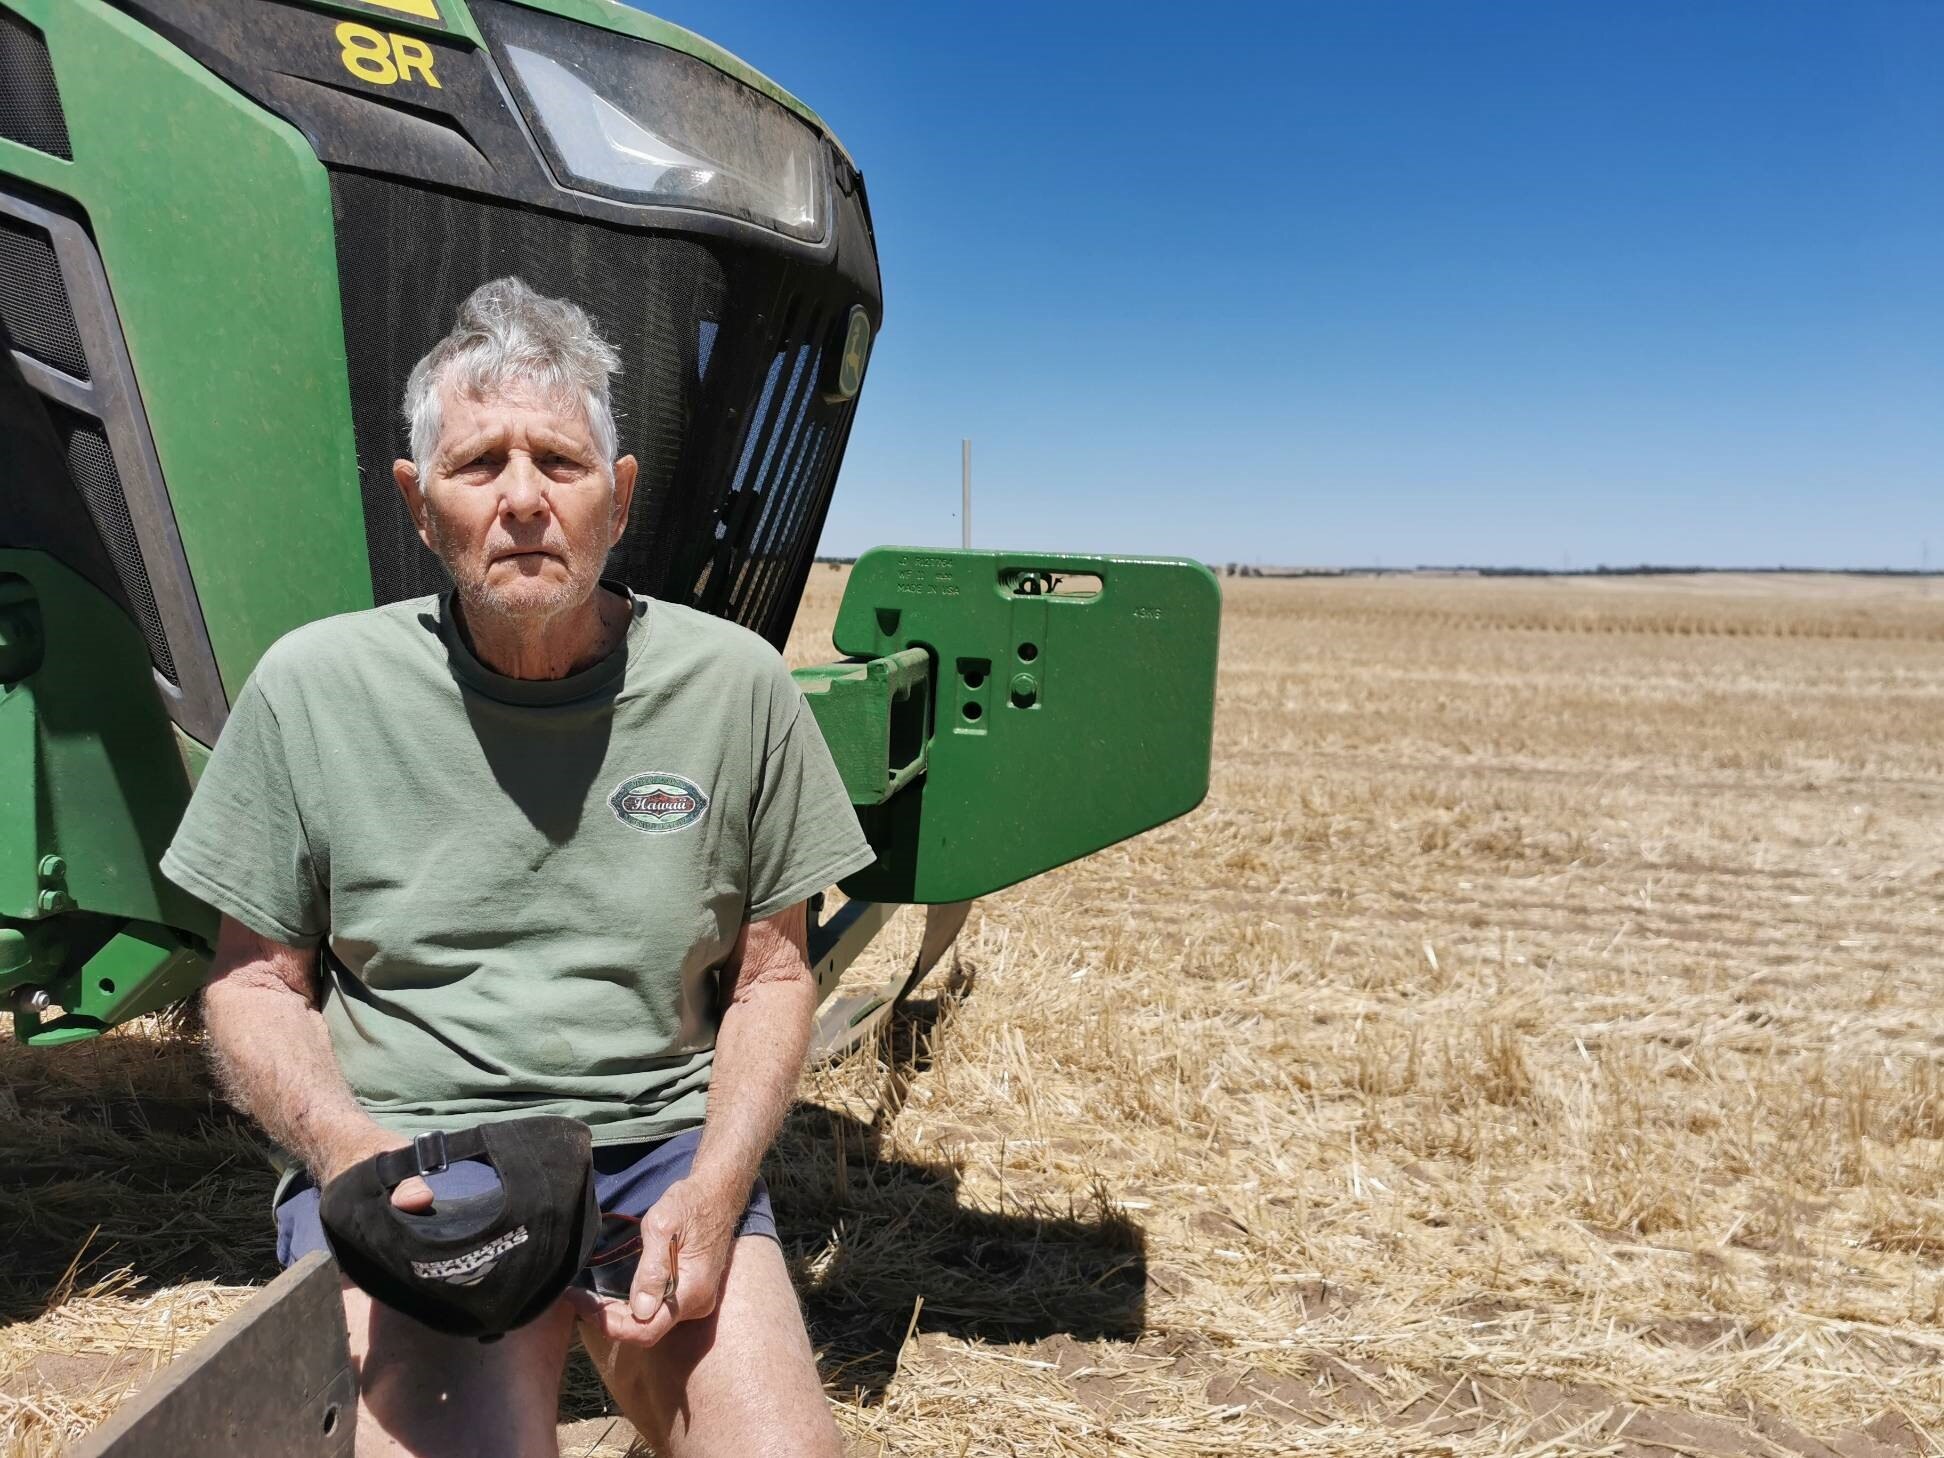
717, 645
348, 643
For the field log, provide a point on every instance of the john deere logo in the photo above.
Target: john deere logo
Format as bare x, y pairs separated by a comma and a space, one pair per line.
656, 802
857, 351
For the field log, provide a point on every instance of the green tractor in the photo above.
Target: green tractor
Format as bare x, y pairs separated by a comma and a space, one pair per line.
227, 230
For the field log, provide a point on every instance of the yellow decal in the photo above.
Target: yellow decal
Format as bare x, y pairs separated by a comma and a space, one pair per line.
424, 9
414, 55
384, 59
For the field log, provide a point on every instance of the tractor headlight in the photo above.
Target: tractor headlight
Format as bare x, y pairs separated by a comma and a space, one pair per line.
633, 120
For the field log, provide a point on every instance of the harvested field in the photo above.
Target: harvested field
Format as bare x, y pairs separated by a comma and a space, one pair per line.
1532, 1047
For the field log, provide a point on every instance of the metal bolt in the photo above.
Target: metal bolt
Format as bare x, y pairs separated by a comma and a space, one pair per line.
33, 1000
52, 901
1025, 689
52, 868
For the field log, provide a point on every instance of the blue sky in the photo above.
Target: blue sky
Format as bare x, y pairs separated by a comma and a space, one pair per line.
1385, 282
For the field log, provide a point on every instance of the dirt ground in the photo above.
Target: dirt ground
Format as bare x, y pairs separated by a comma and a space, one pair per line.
1531, 1047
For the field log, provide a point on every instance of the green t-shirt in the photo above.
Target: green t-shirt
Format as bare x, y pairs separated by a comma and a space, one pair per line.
523, 889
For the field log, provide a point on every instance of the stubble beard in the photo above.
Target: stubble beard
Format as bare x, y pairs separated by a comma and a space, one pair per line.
524, 601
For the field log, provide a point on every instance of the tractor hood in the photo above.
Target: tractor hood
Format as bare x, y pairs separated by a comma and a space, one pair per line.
328, 181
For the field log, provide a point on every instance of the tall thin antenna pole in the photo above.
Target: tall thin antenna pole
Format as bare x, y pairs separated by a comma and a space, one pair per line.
965, 493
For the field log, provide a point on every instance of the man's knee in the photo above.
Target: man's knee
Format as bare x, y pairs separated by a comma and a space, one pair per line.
742, 1381
422, 1391
685, 1410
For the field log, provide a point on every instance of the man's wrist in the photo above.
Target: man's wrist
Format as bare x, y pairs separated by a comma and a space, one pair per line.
351, 1146
721, 1180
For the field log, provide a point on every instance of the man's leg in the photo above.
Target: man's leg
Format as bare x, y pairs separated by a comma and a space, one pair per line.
739, 1383
424, 1393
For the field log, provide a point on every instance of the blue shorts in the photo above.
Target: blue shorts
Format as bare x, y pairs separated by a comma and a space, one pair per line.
628, 1179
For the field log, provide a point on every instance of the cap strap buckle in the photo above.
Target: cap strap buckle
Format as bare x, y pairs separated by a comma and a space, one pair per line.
429, 1152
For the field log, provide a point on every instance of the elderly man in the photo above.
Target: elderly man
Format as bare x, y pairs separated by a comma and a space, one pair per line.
537, 845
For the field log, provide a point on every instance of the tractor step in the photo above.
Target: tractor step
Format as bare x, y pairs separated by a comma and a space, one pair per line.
852, 1018
272, 1381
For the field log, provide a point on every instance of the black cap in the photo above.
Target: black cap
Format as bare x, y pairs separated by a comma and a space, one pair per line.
483, 1264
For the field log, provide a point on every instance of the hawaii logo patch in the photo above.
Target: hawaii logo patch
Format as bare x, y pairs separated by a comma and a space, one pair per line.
657, 802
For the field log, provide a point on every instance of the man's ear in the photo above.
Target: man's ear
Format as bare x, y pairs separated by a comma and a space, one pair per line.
625, 471
407, 476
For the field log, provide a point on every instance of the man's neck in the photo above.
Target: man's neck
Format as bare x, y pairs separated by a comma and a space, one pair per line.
556, 647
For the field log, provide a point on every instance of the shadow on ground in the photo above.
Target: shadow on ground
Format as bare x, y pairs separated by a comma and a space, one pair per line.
119, 1157
869, 1235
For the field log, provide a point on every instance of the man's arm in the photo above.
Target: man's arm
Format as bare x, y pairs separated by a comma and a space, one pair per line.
273, 1054
759, 1053
760, 1044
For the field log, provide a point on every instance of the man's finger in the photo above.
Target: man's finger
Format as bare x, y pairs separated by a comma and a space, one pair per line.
612, 1319
656, 1281
650, 1279
413, 1194
644, 1333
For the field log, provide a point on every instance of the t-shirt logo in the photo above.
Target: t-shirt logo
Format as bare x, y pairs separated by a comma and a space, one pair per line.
658, 801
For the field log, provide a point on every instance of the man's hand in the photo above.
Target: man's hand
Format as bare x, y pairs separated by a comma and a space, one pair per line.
412, 1195
771, 994
692, 1226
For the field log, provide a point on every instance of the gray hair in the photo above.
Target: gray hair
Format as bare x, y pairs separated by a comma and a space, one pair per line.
506, 334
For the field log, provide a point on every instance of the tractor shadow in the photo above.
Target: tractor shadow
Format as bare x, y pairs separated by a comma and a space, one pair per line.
868, 1235
117, 1159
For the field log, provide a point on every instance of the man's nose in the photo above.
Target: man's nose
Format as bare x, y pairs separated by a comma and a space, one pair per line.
523, 489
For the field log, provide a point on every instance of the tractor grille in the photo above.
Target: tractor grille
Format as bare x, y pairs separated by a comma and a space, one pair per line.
33, 300
91, 465
30, 106
783, 466
718, 398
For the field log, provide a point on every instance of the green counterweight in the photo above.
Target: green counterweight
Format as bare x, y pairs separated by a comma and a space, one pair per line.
1071, 705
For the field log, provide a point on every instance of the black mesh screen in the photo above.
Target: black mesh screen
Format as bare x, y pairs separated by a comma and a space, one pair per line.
33, 300
781, 470
721, 351
91, 465
30, 106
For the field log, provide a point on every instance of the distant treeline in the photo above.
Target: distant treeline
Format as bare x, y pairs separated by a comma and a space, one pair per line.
1644, 569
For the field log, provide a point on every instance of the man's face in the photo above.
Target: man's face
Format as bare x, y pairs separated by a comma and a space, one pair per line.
516, 503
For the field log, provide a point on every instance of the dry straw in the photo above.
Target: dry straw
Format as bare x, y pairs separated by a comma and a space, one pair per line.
1529, 1049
